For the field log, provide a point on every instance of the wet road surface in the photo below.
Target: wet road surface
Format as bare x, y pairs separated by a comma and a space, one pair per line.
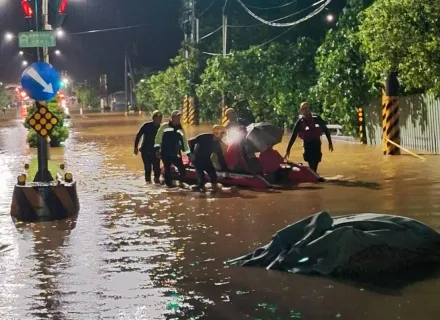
141, 252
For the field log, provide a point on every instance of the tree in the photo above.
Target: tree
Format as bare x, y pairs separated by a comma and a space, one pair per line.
4, 100
343, 85
269, 82
403, 36
59, 134
88, 95
166, 90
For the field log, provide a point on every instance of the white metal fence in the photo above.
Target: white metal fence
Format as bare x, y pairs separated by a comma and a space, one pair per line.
419, 123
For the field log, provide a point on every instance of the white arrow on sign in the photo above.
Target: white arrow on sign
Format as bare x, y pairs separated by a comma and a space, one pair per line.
47, 87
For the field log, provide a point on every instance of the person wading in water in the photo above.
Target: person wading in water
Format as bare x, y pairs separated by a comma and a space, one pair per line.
148, 133
310, 127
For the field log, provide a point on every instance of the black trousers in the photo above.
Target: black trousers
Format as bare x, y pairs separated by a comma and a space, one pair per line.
205, 165
313, 153
168, 161
151, 161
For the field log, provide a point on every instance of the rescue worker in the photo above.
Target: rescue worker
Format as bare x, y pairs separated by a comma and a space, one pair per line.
233, 119
310, 127
148, 133
170, 141
202, 147
237, 158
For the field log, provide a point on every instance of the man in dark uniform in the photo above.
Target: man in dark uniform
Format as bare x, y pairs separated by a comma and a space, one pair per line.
148, 133
170, 141
202, 148
310, 127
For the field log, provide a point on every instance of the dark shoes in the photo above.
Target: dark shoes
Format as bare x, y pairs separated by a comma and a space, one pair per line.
198, 189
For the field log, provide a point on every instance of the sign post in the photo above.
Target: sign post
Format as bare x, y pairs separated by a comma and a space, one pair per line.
42, 81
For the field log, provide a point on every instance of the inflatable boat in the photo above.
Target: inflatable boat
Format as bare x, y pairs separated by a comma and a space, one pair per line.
291, 175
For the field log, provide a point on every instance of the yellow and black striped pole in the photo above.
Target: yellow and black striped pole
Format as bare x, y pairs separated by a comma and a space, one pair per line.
390, 116
192, 112
185, 110
224, 119
362, 131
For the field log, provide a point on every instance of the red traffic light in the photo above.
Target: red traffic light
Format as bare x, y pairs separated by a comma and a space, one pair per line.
27, 9
63, 7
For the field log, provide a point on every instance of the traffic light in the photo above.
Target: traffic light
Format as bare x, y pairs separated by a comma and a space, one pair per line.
57, 13
27, 9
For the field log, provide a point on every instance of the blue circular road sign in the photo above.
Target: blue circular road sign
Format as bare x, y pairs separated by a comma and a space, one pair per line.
41, 81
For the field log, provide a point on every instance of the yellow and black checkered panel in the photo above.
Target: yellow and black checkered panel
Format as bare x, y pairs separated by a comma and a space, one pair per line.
43, 121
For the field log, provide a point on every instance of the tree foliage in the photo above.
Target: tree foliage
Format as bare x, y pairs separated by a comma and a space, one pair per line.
59, 134
403, 36
343, 85
4, 100
268, 82
166, 90
88, 95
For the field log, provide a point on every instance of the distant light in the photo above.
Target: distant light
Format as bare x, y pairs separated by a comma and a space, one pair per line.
60, 33
9, 36
58, 52
330, 18
21, 53
24, 63
66, 81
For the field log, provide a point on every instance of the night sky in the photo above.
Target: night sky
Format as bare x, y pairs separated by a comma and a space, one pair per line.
85, 56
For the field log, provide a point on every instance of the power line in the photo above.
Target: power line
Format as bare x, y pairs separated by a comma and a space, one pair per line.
110, 29
271, 23
207, 8
275, 7
211, 33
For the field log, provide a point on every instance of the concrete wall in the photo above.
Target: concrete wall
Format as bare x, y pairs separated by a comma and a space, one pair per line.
419, 123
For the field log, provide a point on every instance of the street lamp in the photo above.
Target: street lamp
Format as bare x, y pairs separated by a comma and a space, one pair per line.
60, 33
57, 52
9, 36
330, 18
24, 63
21, 53
66, 81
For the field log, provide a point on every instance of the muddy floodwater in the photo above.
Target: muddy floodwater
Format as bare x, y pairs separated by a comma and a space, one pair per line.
141, 252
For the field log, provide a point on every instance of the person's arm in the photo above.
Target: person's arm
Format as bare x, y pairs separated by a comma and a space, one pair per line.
325, 129
159, 136
185, 145
138, 138
293, 137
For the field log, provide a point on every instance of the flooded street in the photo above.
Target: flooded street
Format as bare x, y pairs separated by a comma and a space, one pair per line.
142, 252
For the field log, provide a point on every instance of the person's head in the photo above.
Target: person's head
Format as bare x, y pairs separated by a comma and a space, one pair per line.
219, 132
175, 117
304, 109
231, 114
157, 117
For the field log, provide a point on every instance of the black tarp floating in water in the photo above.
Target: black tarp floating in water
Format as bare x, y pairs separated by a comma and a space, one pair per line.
356, 244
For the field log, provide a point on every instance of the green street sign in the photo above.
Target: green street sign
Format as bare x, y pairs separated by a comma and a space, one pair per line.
41, 39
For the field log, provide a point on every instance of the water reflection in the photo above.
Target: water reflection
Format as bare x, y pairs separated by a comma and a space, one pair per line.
142, 252
48, 262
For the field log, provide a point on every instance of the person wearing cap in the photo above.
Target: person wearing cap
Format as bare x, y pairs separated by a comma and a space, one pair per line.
233, 120
310, 127
203, 148
170, 141
148, 133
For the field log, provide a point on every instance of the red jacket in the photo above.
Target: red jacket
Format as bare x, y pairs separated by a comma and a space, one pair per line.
270, 161
235, 159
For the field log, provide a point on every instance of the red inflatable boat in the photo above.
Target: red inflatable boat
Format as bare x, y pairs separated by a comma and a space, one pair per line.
294, 174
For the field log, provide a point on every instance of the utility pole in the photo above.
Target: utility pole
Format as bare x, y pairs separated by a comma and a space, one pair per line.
126, 79
132, 82
225, 52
